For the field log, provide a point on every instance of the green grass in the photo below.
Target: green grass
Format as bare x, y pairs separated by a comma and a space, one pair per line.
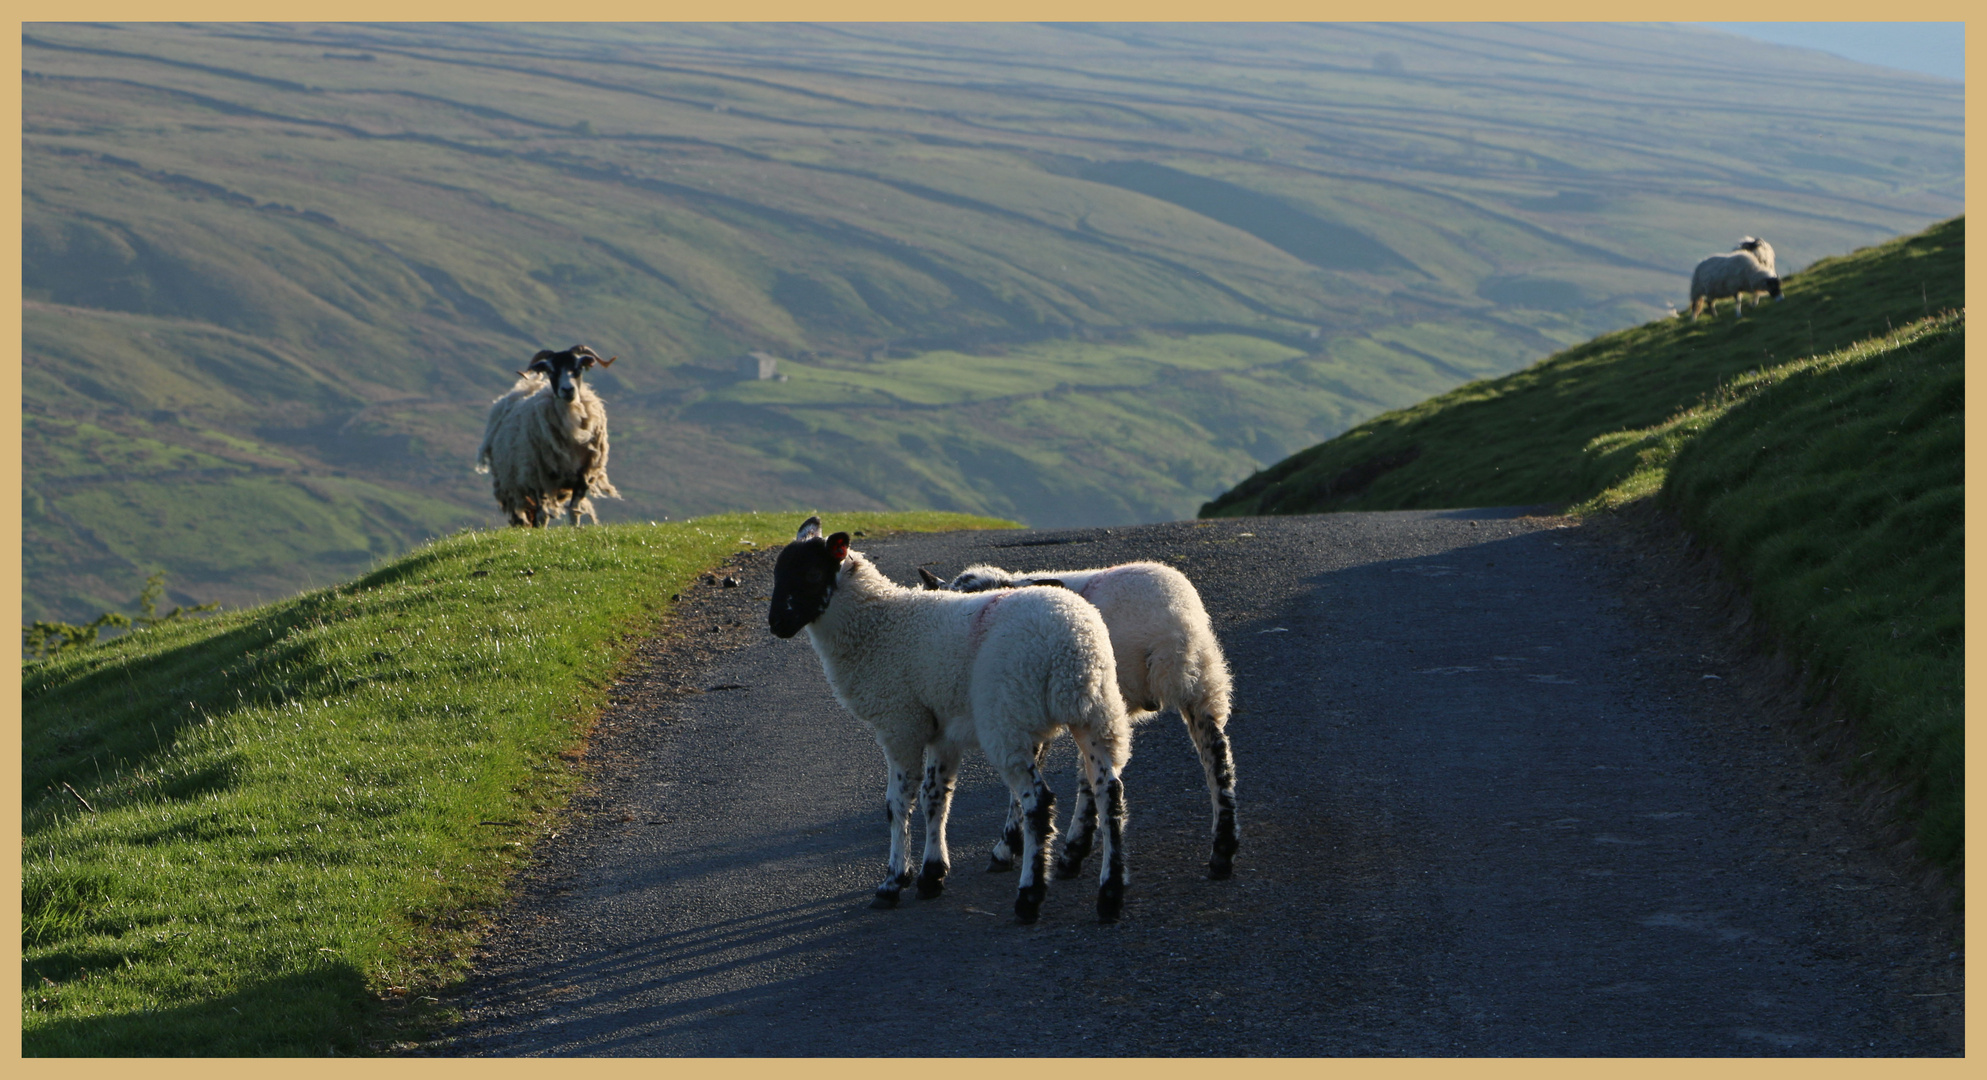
1835, 488
247, 835
1522, 439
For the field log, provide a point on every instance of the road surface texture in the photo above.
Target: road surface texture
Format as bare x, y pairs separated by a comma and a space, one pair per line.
1500, 795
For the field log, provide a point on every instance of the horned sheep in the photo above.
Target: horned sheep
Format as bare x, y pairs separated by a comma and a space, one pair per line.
545, 441
1167, 657
932, 673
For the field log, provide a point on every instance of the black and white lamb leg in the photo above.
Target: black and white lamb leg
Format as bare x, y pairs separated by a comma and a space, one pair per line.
1218, 764
897, 814
1038, 828
1082, 834
1007, 848
1113, 877
941, 772
1102, 776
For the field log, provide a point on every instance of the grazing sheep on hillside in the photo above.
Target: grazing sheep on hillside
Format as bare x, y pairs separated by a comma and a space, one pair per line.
1762, 251
1168, 658
546, 440
931, 673
1730, 275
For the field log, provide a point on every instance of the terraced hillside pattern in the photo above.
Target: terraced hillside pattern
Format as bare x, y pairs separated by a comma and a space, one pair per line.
1073, 274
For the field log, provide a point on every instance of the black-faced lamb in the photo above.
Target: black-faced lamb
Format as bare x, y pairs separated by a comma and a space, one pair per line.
931, 673
1730, 275
1167, 658
545, 441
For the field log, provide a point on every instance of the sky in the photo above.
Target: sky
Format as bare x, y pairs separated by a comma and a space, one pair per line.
1931, 48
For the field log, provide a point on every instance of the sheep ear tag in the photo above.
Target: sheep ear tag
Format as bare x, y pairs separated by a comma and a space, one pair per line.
838, 546
809, 529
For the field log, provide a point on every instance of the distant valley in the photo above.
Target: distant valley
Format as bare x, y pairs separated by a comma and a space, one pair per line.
1072, 274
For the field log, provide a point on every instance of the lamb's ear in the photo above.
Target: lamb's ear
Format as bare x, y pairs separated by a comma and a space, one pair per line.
838, 546
931, 581
808, 529
1049, 582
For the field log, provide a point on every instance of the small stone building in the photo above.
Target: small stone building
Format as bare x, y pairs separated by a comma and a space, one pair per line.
759, 365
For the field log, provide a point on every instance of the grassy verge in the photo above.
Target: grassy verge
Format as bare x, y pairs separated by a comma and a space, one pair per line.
245, 835
1834, 487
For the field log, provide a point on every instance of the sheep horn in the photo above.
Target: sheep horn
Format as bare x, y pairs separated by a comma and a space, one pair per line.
543, 354
609, 362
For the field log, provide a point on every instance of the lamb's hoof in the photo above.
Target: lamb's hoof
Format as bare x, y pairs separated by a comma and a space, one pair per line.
885, 899
1221, 864
931, 884
998, 865
1028, 903
1110, 901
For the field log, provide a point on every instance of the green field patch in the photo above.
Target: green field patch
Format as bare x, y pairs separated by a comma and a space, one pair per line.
67, 449
945, 377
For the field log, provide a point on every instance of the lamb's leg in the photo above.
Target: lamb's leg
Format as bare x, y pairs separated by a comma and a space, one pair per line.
1082, 833
573, 504
1014, 754
1038, 808
1100, 771
897, 814
1008, 847
941, 771
1218, 765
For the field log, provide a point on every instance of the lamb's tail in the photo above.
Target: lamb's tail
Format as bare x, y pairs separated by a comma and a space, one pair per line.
1187, 672
1100, 711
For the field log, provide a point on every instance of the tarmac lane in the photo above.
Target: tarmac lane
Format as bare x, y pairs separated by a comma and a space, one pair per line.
1495, 801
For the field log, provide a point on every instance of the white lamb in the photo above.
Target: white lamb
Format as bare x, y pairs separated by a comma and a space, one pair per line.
546, 440
1167, 657
1732, 274
931, 673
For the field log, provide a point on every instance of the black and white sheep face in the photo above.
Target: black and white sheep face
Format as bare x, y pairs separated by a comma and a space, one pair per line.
563, 369
981, 579
804, 578
976, 581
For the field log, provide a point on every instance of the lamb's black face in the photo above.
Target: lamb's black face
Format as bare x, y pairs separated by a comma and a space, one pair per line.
804, 578
1773, 287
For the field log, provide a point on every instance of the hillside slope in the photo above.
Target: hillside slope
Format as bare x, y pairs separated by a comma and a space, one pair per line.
1525, 438
1066, 274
